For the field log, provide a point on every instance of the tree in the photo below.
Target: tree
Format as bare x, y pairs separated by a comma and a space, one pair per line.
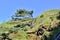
22, 13
58, 17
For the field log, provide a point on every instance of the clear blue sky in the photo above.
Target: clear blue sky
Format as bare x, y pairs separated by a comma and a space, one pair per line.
8, 7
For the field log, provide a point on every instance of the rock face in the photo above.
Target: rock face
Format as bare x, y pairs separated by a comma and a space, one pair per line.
49, 25
43, 27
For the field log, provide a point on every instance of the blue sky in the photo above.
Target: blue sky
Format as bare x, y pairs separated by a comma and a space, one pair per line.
9, 7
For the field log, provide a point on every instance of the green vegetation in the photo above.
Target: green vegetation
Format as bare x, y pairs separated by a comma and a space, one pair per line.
24, 27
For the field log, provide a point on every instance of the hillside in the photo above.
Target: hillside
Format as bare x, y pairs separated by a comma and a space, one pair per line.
43, 27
